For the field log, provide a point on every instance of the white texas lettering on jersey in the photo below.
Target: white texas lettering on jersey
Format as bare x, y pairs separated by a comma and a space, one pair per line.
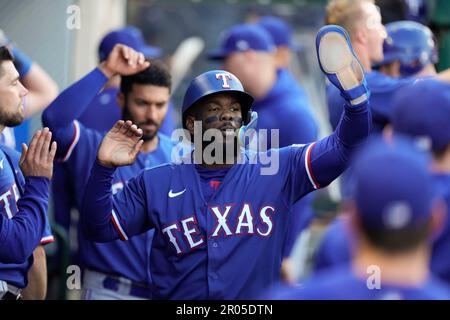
172, 239
8, 199
246, 213
187, 232
221, 221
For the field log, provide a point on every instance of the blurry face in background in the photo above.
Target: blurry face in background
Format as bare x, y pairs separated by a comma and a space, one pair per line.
241, 64
376, 32
283, 57
145, 105
12, 93
255, 69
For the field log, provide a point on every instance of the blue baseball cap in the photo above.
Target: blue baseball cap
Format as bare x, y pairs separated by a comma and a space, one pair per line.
422, 110
241, 38
393, 188
279, 30
129, 36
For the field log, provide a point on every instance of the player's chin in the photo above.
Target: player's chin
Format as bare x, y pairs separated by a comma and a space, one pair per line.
149, 135
14, 120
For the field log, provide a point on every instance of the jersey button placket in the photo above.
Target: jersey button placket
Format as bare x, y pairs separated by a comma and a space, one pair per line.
213, 259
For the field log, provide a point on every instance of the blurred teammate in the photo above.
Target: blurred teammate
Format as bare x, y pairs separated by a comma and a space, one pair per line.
422, 111
24, 191
220, 225
116, 270
41, 91
394, 215
101, 114
408, 50
363, 21
248, 51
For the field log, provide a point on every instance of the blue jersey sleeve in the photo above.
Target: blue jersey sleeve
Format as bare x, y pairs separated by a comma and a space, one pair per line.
47, 237
68, 106
334, 248
21, 234
121, 216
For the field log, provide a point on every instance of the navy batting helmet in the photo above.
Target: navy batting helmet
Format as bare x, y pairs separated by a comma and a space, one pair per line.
412, 44
216, 81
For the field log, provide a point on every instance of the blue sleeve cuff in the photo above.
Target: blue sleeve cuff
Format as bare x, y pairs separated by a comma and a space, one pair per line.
99, 75
102, 170
37, 185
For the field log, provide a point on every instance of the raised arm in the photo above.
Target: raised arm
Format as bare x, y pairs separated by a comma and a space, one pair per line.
104, 217
72, 102
324, 160
22, 233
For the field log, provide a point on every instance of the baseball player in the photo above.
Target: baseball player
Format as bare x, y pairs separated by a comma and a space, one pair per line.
412, 116
281, 34
100, 115
363, 20
219, 231
423, 112
117, 270
394, 213
408, 50
24, 191
95, 116
248, 51
41, 91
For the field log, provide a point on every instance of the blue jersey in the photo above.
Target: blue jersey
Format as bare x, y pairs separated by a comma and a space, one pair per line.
23, 219
440, 260
77, 147
229, 247
101, 114
334, 248
286, 107
382, 90
341, 284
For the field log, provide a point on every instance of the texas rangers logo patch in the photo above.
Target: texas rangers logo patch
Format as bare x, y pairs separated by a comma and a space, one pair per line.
225, 77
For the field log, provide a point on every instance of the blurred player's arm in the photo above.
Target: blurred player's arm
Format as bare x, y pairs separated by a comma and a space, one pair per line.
104, 217
37, 277
42, 89
20, 235
73, 101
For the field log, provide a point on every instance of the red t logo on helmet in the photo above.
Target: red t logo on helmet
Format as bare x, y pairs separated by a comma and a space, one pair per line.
225, 77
